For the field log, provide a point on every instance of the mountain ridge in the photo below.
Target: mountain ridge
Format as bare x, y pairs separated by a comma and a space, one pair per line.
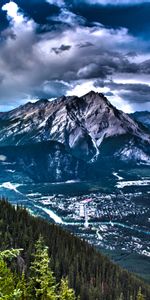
143, 117
90, 105
86, 129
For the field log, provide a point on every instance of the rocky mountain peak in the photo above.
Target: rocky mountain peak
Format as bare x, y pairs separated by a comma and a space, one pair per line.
61, 136
79, 123
95, 96
41, 102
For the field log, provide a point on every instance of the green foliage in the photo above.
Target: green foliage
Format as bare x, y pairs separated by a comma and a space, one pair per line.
22, 287
10, 254
6, 280
7, 285
42, 284
65, 292
140, 295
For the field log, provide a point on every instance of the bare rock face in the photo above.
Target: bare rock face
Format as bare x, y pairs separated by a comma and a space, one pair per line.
88, 128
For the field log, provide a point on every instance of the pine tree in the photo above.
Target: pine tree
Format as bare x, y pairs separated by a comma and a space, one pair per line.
42, 284
140, 295
22, 286
65, 292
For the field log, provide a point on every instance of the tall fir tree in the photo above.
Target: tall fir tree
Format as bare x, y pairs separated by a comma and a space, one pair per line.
65, 292
42, 284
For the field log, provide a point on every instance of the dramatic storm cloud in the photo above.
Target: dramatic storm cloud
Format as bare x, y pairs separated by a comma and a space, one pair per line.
49, 48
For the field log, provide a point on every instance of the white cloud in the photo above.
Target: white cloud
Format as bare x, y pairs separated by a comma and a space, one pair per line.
59, 3
2, 157
120, 103
17, 19
13, 12
68, 17
81, 88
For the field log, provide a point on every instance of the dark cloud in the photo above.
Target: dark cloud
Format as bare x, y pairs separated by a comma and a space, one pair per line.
132, 93
138, 97
84, 45
106, 64
50, 89
132, 54
109, 94
62, 48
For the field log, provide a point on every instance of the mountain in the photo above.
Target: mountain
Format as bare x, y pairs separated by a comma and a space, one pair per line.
142, 117
71, 138
91, 274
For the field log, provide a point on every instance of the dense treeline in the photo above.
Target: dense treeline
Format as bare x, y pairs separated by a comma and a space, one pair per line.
91, 274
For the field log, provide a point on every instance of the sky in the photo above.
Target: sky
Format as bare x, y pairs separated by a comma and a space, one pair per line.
50, 48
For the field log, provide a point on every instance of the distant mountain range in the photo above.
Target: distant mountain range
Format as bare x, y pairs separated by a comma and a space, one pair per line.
142, 117
72, 138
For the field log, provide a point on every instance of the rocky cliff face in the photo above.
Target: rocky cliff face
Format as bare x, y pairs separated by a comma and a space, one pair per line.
75, 136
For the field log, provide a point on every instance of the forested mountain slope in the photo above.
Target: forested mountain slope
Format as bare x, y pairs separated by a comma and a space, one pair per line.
91, 274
